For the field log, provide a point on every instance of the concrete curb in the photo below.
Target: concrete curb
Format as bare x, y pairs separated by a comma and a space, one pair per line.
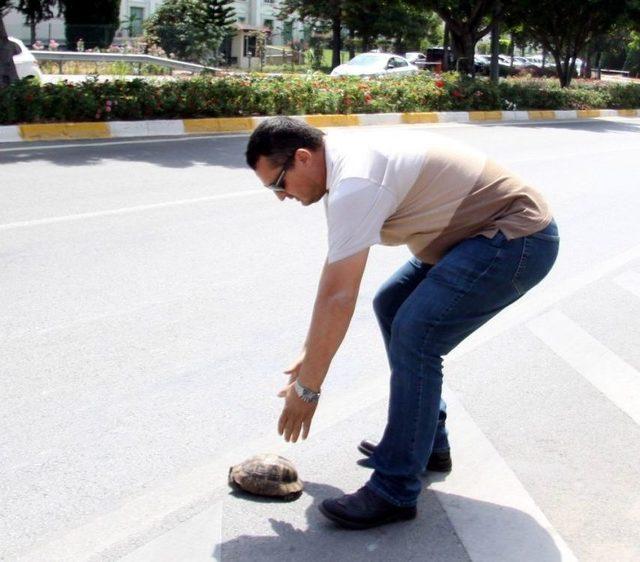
123, 129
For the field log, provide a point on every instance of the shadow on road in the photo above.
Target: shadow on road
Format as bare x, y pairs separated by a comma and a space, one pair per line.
177, 152
592, 125
223, 151
428, 537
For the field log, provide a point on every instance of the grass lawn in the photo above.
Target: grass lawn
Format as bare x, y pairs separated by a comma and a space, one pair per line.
327, 55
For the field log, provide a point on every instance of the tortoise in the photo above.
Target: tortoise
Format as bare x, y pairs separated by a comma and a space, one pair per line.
267, 475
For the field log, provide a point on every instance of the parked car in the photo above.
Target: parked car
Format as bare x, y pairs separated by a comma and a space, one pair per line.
419, 59
376, 64
483, 65
26, 64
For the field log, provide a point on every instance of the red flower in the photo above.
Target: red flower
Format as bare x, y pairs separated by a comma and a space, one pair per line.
367, 98
439, 83
457, 94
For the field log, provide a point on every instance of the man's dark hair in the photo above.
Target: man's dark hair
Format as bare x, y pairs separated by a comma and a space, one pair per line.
277, 138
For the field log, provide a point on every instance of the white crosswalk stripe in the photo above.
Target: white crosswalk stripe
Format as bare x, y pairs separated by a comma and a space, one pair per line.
610, 374
630, 281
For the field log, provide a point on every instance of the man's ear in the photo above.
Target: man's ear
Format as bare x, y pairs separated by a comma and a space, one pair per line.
303, 155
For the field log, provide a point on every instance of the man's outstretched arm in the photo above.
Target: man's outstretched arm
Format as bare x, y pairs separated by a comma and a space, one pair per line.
332, 312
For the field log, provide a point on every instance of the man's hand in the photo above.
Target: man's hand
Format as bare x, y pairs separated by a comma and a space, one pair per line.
296, 415
294, 370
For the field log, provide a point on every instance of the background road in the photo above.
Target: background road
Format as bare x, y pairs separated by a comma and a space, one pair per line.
152, 293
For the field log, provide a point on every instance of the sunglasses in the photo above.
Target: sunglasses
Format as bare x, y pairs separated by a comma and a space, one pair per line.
276, 186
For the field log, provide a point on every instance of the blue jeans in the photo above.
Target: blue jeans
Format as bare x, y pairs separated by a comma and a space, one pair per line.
424, 312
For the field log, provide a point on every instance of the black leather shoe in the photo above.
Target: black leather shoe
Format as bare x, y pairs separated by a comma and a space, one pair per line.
438, 461
364, 509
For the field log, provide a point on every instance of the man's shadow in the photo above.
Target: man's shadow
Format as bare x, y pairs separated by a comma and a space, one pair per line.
428, 537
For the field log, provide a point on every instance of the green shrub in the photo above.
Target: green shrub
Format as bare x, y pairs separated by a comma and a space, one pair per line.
296, 94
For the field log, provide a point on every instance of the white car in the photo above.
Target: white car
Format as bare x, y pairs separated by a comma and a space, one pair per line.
26, 64
376, 64
419, 59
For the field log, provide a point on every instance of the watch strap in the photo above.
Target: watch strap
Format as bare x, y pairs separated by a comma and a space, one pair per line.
305, 393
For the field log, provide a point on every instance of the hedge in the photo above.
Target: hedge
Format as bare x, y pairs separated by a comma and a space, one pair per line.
245, 95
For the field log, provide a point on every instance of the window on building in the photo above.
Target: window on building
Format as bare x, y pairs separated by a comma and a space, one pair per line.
287, 31
242, 19
269, 24
136, 17
249, 45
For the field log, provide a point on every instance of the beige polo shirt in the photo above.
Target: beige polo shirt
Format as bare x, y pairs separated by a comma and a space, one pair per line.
422, 190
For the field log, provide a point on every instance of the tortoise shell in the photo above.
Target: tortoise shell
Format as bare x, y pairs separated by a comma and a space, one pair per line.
267, 475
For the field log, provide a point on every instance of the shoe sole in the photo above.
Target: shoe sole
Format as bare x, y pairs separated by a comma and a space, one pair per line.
354, 525
432, 466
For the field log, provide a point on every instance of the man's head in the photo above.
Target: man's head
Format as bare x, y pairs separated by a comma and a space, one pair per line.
288, 155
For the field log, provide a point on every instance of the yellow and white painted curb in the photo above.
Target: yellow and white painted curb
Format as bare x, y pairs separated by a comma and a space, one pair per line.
123, 129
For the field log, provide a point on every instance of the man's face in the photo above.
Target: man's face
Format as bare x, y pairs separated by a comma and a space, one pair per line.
304, 176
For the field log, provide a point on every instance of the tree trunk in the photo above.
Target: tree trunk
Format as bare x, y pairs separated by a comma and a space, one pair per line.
495, 49
464, 47
597, 64
336, 41
352, 44
445, 44
7, 68
512, 49
469, 49
365, 43
562, 74
32, 25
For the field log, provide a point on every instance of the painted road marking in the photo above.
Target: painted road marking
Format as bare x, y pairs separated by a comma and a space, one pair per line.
629, 281
487, 505
538, 301
493, 514
197, 540
126, 210
610, 374
114, 142
451, 122
186, 494
188, 489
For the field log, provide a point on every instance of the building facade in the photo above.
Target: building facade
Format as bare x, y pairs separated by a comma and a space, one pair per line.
252, 16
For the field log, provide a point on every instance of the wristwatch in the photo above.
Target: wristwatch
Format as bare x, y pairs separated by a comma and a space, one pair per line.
305, 393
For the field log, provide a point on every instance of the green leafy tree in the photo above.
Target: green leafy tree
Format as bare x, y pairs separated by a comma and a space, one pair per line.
632, 62
36, 11
564, 28
331, 12
403, 22
191, 29
468, 21
94, 22
8, 72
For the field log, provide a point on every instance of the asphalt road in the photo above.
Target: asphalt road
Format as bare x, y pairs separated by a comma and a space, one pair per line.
152, 293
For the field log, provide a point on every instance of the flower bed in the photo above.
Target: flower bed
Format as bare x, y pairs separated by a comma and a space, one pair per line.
246, 95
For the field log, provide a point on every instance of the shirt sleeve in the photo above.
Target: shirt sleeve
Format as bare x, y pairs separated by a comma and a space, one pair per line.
356, 210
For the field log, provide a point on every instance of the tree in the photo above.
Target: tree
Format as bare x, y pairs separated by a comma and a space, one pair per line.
632, 62
192, 30
406, 24
468, 21
8, 72
318, 11
36, 11
94, 22
564, 28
